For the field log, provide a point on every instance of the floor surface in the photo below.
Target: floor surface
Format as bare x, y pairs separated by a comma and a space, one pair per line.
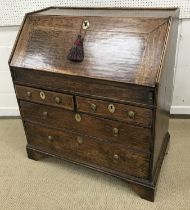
52, 184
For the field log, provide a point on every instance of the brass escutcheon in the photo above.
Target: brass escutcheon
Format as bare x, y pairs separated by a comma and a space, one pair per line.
85, 24
111, 108
93, 107
78, 117
42, 95
131, 114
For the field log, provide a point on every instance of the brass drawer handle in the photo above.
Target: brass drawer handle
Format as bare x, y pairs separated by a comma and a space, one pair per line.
78, 117
116, 157
42, 95
79, 140
93, 107
115, 131
45, 113
57, 100
131, 114
50, 138
29, 94
111, 108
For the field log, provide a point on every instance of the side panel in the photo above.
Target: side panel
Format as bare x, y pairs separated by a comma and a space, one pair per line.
164, 92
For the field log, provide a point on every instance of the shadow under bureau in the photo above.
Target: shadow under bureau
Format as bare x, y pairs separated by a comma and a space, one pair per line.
110, 111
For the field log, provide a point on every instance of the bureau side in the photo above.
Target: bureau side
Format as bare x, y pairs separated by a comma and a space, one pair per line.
164, 90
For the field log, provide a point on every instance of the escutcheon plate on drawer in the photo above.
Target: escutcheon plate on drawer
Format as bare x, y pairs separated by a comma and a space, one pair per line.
122, 112
107, 130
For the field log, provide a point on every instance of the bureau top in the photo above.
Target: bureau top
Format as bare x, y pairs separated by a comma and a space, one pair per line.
120, 45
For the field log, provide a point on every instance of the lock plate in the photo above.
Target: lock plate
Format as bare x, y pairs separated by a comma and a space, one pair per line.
111, 108
85, 24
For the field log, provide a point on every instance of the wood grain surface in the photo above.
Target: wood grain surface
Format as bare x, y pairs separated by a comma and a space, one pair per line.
50, 98
65, 144
142, 116
128, 64
119, 49
135, 137
125, 93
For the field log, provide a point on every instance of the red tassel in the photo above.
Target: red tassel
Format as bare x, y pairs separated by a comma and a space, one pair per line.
76, 53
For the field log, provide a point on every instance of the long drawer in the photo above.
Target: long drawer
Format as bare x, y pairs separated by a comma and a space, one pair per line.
103, 129
82, 148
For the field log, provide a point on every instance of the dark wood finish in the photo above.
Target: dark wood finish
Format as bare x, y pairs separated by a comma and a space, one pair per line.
144, 192
144, 189
50, 98
142, 116
140, 35
103, 129
35, 155
164, 88
110, 11
128, 65
77, 147
82, 86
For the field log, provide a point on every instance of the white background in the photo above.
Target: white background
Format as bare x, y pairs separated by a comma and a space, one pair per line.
12, 11
11, 15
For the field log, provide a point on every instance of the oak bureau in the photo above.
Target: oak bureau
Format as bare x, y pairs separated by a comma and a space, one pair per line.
94, 87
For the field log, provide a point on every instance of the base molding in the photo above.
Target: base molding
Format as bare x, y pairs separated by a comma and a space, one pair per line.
35, 155
180, 110
144, 188
9, 111
145, 192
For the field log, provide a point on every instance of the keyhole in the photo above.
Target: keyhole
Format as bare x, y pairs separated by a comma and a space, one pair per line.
85, 24
111, 108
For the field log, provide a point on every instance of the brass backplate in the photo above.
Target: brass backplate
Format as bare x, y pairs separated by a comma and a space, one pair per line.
42, 95
85, 24
111, 108
78, 117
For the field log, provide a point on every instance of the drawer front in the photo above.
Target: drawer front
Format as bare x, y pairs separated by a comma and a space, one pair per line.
104, 89
103, 129
45, 97
88, 150
117, 111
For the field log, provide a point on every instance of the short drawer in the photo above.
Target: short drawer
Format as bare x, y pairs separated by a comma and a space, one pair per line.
84, 86
82, 148
104, 129
127, 113
45, 97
